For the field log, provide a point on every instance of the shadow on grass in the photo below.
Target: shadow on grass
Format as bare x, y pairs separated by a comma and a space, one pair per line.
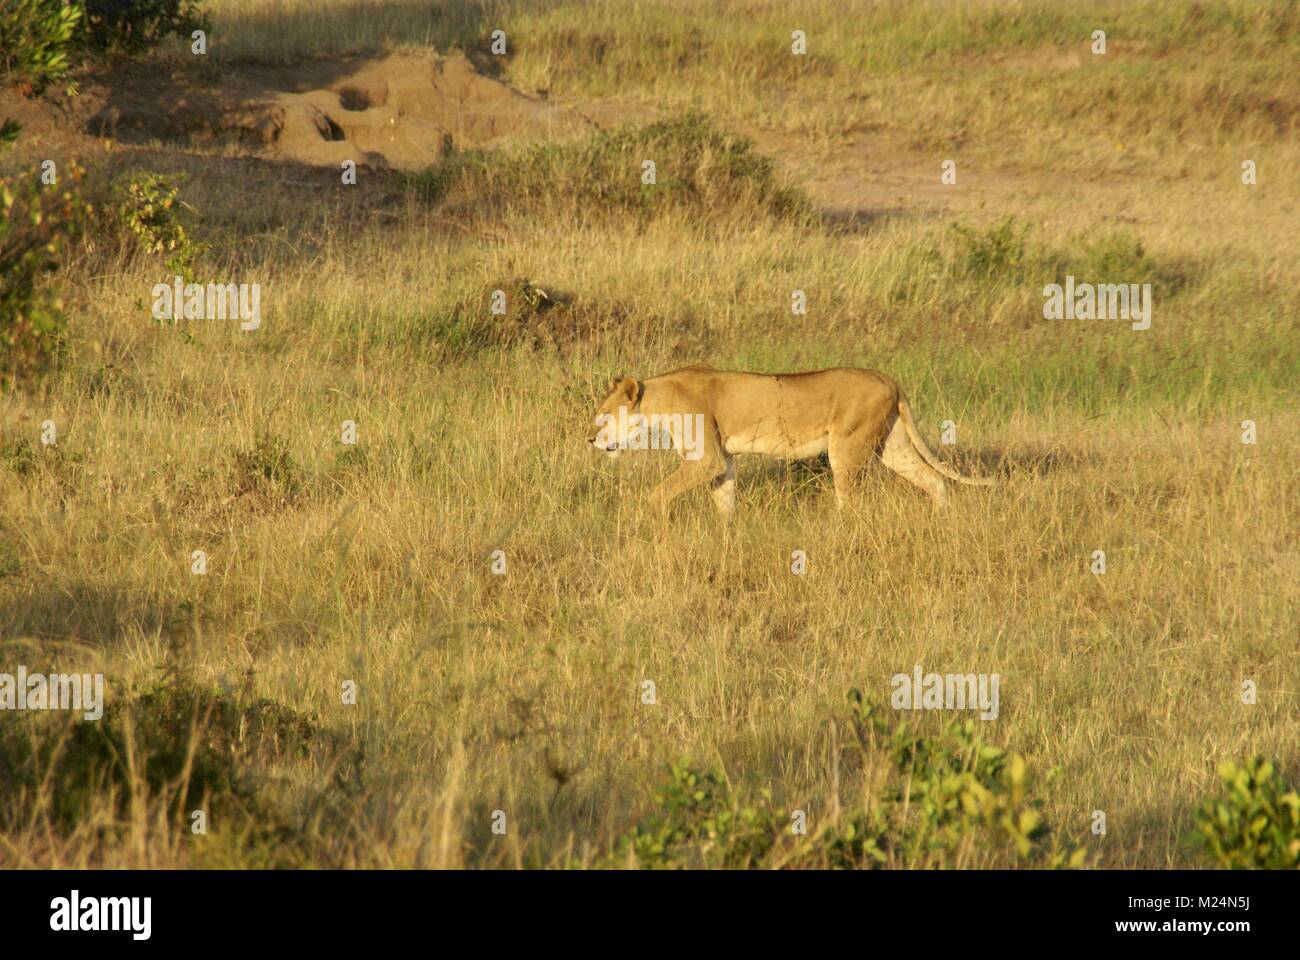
88, 613
1001, 464
855, 221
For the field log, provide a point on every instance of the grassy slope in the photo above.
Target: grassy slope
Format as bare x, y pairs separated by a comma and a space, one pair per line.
482, 692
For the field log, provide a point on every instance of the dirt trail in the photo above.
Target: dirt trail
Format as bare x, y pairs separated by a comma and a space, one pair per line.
869, 176
862, 177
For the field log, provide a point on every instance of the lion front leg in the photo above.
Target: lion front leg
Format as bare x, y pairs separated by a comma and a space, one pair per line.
686, 477
702, 462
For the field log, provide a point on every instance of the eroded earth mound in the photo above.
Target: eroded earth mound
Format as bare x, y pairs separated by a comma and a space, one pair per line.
403, 111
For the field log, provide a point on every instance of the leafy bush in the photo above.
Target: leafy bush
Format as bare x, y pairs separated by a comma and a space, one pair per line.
953, 792
174, 748
184, 738
37, 226
1117, 258
1003, 258
1256, 823
697, 167
59, 463
19, 455
268, 469
703, 824
995, 253
35, 41
948, 800
42, 40
135, 26
1120, 257
147, 209
525, 296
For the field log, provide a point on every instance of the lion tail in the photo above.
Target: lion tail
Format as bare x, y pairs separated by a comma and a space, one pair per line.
905, 414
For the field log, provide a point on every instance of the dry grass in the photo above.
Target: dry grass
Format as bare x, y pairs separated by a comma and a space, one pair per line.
521, 692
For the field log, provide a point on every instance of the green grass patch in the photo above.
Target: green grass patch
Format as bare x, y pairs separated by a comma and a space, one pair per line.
698, 169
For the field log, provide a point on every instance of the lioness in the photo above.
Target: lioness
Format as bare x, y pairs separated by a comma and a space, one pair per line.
710, 415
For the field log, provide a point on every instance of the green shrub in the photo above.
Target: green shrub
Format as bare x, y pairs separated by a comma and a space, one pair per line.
1120, 257
135, 26
36, 41
1255, 824
1003, 258
19, 455
1117, 258
525, 296
954, 791
42, 40
697, 167
948, 800
37, 226
268, 469
995, 253
146, 207
703, 824
60, 463
174, 748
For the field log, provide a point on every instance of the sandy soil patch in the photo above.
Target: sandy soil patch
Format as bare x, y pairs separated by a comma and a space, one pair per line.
401, 112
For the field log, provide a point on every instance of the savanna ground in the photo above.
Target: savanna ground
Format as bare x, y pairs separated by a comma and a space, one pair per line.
522, 692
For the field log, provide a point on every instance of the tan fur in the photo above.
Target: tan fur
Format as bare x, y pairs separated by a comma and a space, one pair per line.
845, 412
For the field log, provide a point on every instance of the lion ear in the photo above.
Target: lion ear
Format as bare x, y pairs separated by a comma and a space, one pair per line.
630, 389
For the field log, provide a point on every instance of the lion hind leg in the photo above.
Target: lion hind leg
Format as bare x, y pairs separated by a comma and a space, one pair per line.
848, 454
724, 490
